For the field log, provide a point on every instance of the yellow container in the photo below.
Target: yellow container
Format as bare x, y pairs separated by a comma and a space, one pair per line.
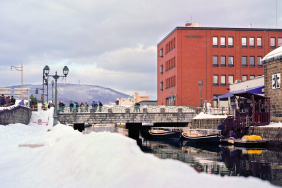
251, 137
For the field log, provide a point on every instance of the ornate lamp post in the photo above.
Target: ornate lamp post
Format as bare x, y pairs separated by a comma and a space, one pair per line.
56, 77
52, 82
201, 84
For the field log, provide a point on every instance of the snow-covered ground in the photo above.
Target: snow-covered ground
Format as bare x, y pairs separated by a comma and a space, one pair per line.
45, 156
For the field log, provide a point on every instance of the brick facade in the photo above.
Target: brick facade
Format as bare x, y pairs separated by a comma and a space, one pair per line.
186, 56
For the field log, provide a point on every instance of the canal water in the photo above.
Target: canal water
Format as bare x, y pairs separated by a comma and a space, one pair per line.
265, 164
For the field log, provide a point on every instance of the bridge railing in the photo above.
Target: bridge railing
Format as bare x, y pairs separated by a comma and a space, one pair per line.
130, 109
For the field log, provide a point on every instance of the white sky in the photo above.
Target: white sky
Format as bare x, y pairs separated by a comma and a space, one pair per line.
109, 43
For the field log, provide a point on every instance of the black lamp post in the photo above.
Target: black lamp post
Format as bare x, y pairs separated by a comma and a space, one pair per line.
52, 82
201, 84
56, 77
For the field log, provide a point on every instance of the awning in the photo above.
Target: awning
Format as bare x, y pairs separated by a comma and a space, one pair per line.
253, 90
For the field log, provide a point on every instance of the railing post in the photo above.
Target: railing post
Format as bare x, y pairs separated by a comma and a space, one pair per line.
145, 110
180, 110
162, 110
127, 110
110, 111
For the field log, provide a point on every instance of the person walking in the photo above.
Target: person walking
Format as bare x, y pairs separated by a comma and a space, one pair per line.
13, 100
22, 103
71, 106
2, 100
75, 106
100, 106
86, 107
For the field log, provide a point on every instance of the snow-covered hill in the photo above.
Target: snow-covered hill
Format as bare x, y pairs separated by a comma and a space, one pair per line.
77, 93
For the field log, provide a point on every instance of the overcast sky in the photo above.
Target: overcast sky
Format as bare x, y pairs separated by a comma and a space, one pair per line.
110, 43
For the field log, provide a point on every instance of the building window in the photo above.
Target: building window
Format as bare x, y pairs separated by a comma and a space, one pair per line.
244, 42
161, 86
252, 61
252, 77
161, 69
215, 61
230, 79
279, 42
244, 77
222, 42
259, 64
215, 80
223, 80
230, 61
252, 42
272, 42
230, 42
244, 61
222, 61
214, 42
259, 42
161, 53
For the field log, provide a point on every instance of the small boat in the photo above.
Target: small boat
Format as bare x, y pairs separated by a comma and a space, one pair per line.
250, 141
210, 136
164, 133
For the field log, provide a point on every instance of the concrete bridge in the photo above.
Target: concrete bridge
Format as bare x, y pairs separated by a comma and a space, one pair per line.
148, 115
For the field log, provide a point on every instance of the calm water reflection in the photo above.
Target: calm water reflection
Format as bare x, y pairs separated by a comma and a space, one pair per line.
232, 161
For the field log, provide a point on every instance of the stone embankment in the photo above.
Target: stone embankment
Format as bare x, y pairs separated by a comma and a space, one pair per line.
15, 114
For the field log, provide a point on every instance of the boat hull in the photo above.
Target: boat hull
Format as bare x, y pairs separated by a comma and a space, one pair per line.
201, 139
250, 143
165, 136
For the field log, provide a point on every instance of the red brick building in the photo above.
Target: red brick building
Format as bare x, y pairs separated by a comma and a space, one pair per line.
216, 56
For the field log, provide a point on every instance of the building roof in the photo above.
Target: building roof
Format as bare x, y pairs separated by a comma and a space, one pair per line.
218, 28
273, 55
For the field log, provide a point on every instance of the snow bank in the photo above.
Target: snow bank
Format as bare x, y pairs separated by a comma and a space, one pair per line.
275, 54
68, 158
202, 115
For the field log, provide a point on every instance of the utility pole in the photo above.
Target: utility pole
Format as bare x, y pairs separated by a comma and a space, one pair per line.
20, 69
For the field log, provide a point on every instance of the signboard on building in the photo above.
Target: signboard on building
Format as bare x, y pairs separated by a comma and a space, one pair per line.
276, 81
5, 91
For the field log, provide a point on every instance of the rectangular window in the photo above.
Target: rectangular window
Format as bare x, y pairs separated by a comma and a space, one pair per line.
259, 64
215, 80
252, 61
222, 42
252, 42
244, 61
244, 77
259, 42
230, 61
223, 80
161, 86
230, 42
272, 42
244, 42
252, 77
161, 69
230, 79
279, 42
161, 53
214, 41
222, 61
215, 61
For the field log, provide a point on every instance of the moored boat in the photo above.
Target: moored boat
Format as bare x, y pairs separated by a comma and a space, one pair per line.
164, 133
249, 141
208, 136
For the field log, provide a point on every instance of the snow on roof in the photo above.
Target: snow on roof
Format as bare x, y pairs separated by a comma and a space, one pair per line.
273, 55
202, 115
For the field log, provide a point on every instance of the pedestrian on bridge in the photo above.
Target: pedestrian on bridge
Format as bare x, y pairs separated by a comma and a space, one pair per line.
71, 106
100, 106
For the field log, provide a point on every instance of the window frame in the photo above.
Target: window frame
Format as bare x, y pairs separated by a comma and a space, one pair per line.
221, 76
231, 57
222, 45
252, 65
259, 63
252, 44
245, 65
243, 77
221, 58
230, 39
213, 64
229, 76
259, 44
279, 43
253, 77
246, 45
215, 45
272, 43
213, 79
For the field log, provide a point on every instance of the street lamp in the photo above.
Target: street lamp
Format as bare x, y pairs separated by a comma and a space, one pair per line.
52, 82
201, 84
20, 69
56, 77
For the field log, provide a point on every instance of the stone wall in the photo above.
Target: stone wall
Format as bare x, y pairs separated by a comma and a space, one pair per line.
275, 95
104, 118
15, 114
206, 123
272, 134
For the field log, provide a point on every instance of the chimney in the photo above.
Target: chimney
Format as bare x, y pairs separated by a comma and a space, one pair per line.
195, 24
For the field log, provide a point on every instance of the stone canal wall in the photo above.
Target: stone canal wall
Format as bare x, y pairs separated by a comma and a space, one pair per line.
15, 114
145, 117
206, 123
272, 134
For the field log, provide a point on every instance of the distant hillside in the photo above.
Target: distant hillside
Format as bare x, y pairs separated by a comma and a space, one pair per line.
77, 93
